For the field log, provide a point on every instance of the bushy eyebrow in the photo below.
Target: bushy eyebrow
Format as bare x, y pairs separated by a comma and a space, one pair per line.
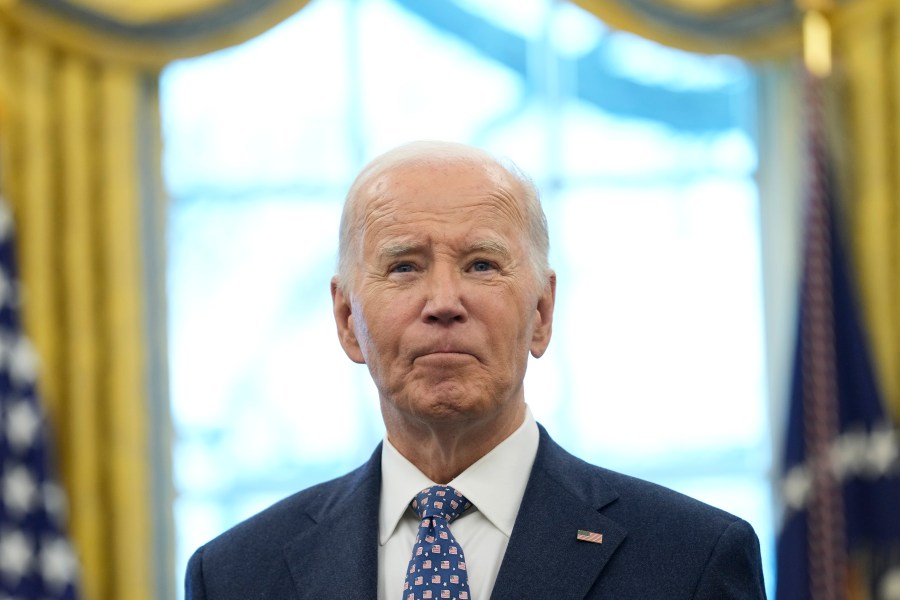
398, 249
491, 247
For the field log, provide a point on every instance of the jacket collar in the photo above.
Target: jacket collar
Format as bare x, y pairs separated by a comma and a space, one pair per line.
337, 557
564, 495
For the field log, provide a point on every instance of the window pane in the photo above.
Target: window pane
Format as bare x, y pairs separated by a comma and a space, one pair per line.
646, 163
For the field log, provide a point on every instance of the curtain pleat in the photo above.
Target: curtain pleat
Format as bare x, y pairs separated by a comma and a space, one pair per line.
83, 348
42, 320
893, 69
122, 325
869, 76
75, 171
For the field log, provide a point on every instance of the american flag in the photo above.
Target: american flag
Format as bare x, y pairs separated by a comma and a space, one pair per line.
36, 559
589, 536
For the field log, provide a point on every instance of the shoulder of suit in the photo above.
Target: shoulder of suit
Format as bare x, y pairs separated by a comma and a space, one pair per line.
291, 515
636, 499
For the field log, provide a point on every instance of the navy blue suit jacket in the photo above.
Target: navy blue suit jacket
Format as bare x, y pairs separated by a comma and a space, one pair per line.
322, 543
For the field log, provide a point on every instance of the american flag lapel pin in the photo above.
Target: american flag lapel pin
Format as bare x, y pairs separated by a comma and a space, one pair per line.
589, 536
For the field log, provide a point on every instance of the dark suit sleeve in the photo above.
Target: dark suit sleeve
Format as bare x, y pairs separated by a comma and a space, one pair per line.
193, 581
734, 569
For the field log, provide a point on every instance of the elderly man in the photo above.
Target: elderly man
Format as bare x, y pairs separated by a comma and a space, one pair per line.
442, 291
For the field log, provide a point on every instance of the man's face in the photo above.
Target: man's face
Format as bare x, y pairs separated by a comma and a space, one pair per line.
444, 307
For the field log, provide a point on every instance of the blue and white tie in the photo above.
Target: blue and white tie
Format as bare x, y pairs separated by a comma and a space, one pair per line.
437, 569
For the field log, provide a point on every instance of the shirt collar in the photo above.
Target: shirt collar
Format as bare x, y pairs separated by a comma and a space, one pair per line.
506, 468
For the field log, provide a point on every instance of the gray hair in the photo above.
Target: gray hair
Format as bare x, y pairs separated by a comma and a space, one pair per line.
425, 152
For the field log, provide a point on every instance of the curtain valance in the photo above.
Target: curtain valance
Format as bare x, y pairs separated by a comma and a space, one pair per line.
749, 28
146, 33
156, 32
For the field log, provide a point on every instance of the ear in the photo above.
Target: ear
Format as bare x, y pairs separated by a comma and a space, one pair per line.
343, 318
543, 320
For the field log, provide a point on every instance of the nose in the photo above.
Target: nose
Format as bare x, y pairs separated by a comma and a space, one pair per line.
444, 303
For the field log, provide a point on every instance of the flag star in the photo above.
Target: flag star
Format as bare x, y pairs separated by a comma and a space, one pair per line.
15, 554
54, 501
58, 563
795, 487
883, 450
23, 362
22, 425
19, 490
848, 454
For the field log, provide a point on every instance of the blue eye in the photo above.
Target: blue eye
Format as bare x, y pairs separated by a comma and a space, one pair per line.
402, 268
481, 266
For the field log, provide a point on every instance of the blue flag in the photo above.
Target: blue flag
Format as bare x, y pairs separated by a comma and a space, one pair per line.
36, 559
840, 538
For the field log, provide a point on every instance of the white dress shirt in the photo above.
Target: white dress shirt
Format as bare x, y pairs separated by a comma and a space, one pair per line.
494, 485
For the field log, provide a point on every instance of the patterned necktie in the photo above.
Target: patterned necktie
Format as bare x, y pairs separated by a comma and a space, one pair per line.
437, 569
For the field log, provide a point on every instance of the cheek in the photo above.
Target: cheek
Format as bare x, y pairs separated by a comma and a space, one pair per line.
375, 334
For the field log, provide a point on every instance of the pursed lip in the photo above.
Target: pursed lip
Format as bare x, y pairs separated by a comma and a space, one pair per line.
444, 360
448, 352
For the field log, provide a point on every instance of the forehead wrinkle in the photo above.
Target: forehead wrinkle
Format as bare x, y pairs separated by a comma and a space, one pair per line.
386, 212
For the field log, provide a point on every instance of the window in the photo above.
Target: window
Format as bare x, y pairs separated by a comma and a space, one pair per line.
646, 159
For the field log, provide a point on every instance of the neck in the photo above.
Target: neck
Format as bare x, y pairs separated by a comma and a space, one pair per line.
443, 450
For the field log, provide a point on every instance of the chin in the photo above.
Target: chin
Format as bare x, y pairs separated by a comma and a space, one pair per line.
448, 401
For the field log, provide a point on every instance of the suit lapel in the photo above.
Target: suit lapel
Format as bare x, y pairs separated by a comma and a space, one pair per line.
337, 556
544, 558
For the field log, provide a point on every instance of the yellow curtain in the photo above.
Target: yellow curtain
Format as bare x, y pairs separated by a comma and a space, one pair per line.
80, 166
867, 46
71, 170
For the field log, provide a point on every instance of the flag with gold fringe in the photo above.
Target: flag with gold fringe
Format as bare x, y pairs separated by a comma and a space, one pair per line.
840, 535
36, 559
